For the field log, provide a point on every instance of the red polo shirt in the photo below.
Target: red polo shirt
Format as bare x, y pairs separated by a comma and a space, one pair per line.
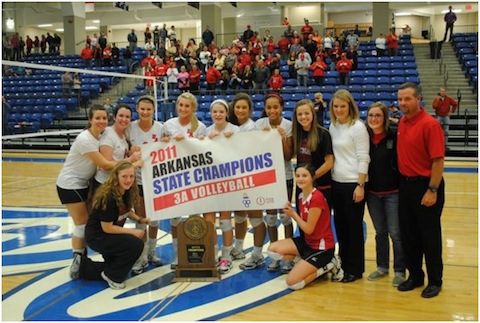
420, 140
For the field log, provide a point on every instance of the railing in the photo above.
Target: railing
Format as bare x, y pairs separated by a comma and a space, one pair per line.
459, 99
467, 120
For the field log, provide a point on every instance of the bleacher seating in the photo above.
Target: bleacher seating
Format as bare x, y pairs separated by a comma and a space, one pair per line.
465, 45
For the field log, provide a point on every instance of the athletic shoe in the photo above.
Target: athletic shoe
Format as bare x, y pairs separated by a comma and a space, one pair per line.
274, 265
153, 258
75, 266
139, 266
377, 275
398, 279
224, 265
252, 262
287, 266
237, 254
111, 283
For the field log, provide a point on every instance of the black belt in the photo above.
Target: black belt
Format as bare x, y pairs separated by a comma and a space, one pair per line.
415, 178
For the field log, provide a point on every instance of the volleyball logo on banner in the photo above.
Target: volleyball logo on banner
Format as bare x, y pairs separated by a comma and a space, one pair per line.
220, 174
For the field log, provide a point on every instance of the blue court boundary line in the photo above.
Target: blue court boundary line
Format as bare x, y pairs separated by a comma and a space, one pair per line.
62, 160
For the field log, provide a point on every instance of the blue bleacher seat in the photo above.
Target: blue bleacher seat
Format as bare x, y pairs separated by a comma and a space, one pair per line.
397, 72
289, 105
370, 80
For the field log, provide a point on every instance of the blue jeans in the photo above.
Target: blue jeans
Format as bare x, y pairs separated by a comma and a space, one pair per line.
445, 123
384, 213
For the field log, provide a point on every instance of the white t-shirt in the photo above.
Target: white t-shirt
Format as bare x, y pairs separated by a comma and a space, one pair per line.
120, 150
351, 148
139, 137
172, 127
229, 128
247, 126
78, 168
286, 124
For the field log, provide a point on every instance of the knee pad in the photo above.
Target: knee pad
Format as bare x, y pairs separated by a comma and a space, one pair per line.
79, 231
175, 221
154, 223
141, 226
255, 222
274, 255
271, 220
226, 225
285, 219
325, 269
240, 218
297, 286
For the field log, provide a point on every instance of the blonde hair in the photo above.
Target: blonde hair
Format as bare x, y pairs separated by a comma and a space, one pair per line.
190, 97
353, 113
111, 189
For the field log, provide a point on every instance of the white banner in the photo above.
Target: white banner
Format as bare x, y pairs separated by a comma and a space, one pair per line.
191, 176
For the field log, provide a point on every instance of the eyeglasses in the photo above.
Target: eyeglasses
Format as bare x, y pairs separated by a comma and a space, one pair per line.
371, 115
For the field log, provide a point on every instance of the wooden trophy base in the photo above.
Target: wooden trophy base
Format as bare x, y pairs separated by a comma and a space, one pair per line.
196, 251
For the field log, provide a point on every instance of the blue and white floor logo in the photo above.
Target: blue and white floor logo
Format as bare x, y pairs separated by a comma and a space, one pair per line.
38, 241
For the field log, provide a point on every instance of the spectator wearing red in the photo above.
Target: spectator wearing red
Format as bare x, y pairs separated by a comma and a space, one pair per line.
344, 66
107, 55
212, 76
392, 43
245, 59
87, 55
149, 59
183, 79
321, 52
276, 81
149, 82
283, 47
306, 30
318, 68
270, 45
336, 52
443, 106
161, 69
256, 47
194, 78
285, 22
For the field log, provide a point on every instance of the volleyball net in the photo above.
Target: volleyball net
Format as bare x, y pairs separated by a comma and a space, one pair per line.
46, 98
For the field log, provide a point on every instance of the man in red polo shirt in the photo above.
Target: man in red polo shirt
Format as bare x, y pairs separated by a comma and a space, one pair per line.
443, 106
420, 151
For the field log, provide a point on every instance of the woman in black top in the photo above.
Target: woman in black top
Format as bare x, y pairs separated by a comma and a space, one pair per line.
104, 233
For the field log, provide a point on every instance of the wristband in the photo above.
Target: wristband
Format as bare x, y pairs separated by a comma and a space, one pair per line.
361, 185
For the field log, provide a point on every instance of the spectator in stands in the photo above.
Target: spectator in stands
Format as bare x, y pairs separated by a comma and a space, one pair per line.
352, 39
205, 57
357, 31
115, 55
312, 145
172, 33
292, 58
172, 76
406, 30
285, 21
352, 55
127, 58
302, 66
261, 75
147, 35
382, 197
21, 47
350, 144
73, 181
29, 44
183, 79
149, 46
57, 42
67, 82
51, 43
191, 47
443, 106
194, 79
77, 86
288, 33
284, 47
319, 105
14, 41
94, 40
107, 55
102, 40
98, 56
317, 38
392, 43
156, 37
310, 46
336, 54
276, 81
370, 31
6, 48
132, 40
274, 121
149, 71
328, 42
43, 44
318, 69
296, 40
272, 62
163, 34
219, 62
212, 77
104, 232
87, 55
247, 78
247, 34
380, 44
36, 45
449, 18
207, 36
344, 66
306, 30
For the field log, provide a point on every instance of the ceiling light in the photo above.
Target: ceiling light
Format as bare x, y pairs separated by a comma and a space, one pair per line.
96, 21
454, 10
10, 23
91, 27
59, 30
45, 25
399, 14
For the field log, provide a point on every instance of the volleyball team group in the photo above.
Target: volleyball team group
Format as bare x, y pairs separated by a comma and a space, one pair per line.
396, 172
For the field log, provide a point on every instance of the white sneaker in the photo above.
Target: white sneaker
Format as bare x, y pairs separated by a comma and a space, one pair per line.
139, 266
274, 265
75, 266
252, 262
224, 265
111, 283
153, 258
237, 254
287, 266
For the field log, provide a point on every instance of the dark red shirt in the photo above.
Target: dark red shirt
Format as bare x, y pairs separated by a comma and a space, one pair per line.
420, 139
